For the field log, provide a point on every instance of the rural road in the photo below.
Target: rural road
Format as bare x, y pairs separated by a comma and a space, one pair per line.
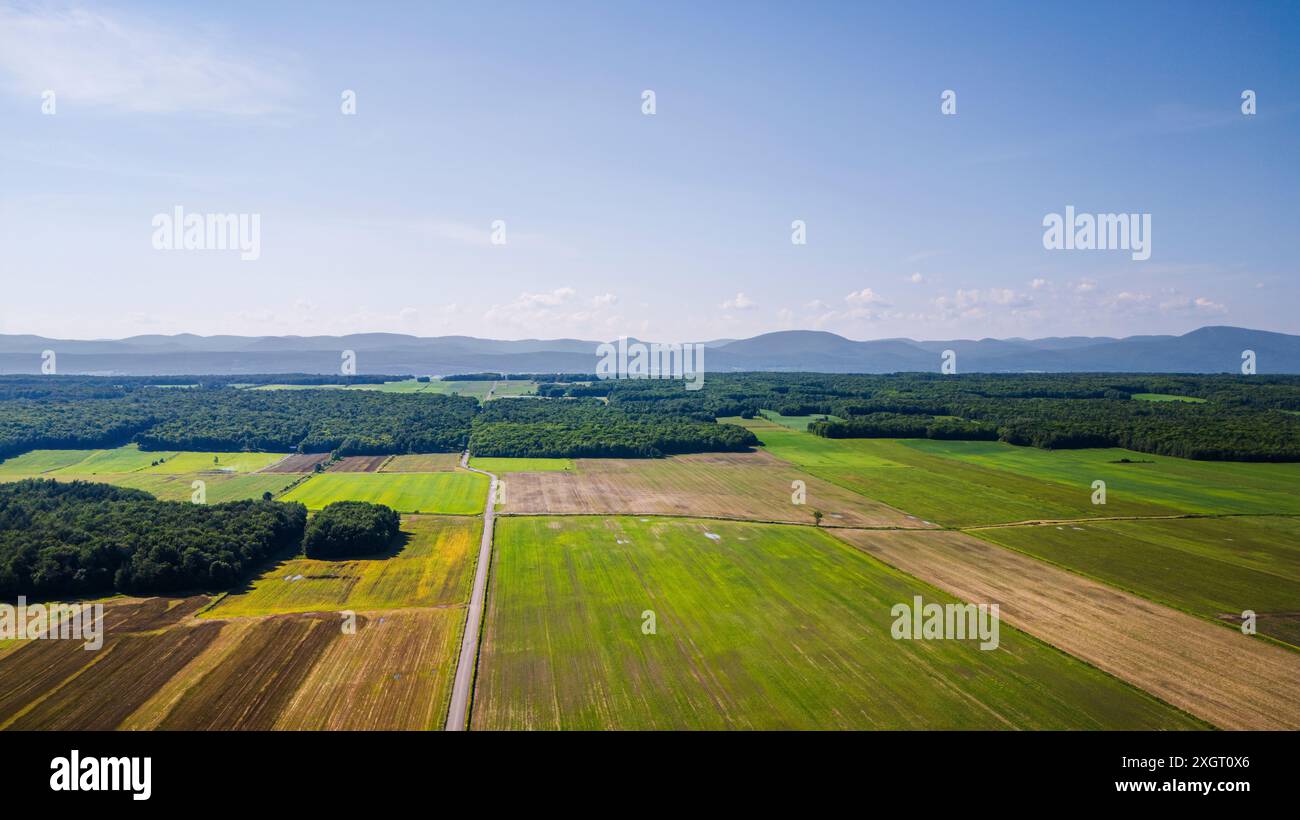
458, 713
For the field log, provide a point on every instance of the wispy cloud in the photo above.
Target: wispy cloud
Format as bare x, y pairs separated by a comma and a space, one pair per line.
91, 59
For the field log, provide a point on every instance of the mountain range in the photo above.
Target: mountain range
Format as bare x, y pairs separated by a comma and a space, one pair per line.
1207, 350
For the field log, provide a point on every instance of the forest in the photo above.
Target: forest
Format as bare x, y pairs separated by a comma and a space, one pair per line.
590, 428
1221, 417
77, 538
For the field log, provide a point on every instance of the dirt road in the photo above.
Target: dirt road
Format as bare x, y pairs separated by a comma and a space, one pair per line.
458, 713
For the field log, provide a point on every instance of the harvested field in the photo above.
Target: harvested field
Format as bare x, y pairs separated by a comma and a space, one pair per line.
297, 463
1212, 567
1231, 680
252, 685
422, 463
753, 486
113, 687
395, 673
357, 464
32, 669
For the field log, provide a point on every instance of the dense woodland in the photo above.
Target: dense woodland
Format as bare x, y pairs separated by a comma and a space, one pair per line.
60, 539
1242, 418
591, 428
1247, 418
71, 412
347, 529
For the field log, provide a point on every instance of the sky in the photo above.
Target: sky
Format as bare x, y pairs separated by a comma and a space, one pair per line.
526, 122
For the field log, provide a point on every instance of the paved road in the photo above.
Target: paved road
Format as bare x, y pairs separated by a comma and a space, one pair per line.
458, 714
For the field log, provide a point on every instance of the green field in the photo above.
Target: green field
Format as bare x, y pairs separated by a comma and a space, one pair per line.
432, 567
1206, 566
218, 488
799, 423
1166, 397
971, 483
521, 465
1181, 484
450, 493
192, 462
760, 626
130, 459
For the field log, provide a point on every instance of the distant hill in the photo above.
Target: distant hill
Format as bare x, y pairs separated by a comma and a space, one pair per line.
1207, 350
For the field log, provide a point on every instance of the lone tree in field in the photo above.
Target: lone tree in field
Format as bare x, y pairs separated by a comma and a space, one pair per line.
350, 528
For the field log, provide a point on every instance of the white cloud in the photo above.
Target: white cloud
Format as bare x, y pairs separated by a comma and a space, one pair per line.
741, 302
557, 311
1199, 305
916, 278
866, 296
1038, 284
89, 59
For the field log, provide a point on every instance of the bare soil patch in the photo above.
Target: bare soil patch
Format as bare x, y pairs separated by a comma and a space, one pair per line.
749, 486
300, 463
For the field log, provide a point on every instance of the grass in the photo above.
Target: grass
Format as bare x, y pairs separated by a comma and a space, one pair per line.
451, 493
1207, 566
131, 459
521, 465
218, 488
799, 423
36, 462
1181, 484
432, 567
192, 462
125, 459
762, 627
971, 483
1166, 397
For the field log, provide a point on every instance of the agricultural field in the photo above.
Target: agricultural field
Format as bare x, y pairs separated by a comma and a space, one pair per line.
1166, 397
431, 566
422, 463
1212, 567
297, 463
259, 659
756, 627
752, 486
521, 465
357, 464
1231, 680
191, 462
799, 423
218, 488
1183, 485
971, 483
450, 493
51, 463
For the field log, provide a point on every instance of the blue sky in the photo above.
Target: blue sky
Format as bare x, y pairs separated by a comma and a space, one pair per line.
674, 226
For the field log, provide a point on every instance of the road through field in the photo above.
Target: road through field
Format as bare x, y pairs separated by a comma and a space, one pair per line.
458, 712
1217, 674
